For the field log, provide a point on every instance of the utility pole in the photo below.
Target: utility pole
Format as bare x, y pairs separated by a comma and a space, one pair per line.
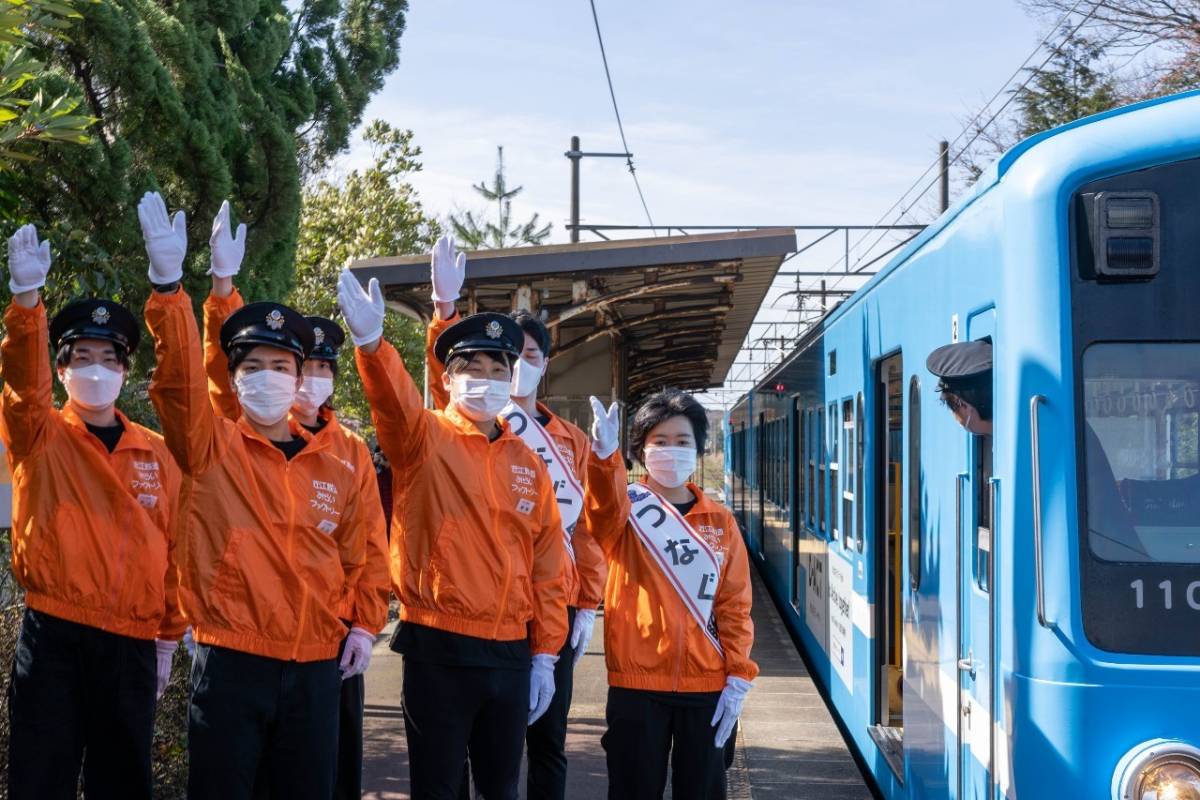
574, 155
944, 151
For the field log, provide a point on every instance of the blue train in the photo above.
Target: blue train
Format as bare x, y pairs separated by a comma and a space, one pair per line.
1014, 615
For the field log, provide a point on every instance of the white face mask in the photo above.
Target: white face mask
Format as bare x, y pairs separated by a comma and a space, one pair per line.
670, 466
93, 387
478, 399
313, 393
266, 395
525, 378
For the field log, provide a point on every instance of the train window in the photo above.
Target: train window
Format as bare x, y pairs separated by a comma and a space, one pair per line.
983, 511
822, 522
914, 483
810, 448
801, 462
848, 473
1142, 447
834, 468
859, 497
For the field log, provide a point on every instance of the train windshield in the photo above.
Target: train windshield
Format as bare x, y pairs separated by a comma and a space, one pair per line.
1141, 437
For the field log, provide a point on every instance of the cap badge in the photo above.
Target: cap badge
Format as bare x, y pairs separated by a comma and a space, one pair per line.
318, 336
275, 320
493, 330
101, 315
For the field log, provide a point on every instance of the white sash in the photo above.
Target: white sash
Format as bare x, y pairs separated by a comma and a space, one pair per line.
684, 557
567, 489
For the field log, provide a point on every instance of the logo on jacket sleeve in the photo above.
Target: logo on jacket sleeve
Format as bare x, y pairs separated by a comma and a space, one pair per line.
525, 505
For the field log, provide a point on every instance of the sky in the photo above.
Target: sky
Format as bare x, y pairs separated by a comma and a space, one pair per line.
743, 112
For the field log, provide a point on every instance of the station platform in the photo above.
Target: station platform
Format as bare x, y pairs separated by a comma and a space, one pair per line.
788, 745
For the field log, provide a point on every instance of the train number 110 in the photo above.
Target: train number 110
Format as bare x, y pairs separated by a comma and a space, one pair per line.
1191, 594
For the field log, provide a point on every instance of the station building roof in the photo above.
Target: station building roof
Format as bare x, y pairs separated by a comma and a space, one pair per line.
627, 316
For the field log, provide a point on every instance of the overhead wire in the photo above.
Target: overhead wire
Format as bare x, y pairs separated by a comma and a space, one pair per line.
620, 127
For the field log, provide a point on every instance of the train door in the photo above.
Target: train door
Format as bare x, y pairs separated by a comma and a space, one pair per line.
760, 481
796, 490
888, 731
976, 500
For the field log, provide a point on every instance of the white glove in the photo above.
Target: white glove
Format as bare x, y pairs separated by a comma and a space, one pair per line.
581, 632
28, 261
166, 239
447, 271
362, 310
226, 249
606, 435
356, 656
541, 685
165, 651
729, 708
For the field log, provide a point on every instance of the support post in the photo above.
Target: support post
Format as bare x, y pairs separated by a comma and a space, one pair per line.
574, 154
944, 152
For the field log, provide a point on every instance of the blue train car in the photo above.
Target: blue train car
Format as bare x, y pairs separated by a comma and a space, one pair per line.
1012, 615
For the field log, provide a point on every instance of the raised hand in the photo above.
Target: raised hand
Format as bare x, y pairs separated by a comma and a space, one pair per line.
447, 270
225, 247
165, 237
28, 261
362, 309
606, 431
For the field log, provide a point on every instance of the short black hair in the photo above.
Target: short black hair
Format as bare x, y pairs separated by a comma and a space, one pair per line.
63, 357
239, 352
660, 407
976, 390
535, 328
459, 361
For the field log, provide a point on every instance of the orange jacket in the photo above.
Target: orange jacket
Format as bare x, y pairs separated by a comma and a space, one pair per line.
366, 606
583, 576
260, 570
651, 641
92, 533
476, 547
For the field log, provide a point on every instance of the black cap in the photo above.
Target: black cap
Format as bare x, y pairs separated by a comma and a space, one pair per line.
961, 361
487, 332
95, 319
272, 324
328, 337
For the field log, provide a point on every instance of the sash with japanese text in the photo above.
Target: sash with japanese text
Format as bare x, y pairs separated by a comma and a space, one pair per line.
567, 489
690, 565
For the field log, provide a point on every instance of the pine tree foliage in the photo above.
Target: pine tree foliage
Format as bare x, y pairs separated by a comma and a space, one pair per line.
474, 232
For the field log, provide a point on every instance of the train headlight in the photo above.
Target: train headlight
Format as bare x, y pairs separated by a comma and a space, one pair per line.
1161, 769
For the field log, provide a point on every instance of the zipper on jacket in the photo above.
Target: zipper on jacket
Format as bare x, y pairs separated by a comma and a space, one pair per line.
491, 484
123, 523
291, 555
681, 639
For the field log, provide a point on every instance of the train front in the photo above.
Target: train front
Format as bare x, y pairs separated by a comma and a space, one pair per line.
1103, 686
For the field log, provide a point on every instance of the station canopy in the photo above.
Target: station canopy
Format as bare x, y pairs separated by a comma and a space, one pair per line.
627, 317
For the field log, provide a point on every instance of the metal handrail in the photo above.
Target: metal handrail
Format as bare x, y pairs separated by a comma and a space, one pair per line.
1035, 439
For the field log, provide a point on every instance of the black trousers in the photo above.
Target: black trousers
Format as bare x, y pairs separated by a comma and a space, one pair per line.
79, 696
644, 727
250, 715
348, 783
450, 710
546, 739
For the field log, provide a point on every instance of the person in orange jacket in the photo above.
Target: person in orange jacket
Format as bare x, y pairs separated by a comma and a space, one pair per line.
94, 506
272, 544
477, 548
677, 628
313, 410
564, 448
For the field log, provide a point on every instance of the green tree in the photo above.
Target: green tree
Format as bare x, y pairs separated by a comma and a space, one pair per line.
475, 233
369, 212
26, 28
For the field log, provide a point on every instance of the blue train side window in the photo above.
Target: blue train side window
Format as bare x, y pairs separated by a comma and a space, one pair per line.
831, 522
821, 456
810, 454
914, 483
859, 497
848, 473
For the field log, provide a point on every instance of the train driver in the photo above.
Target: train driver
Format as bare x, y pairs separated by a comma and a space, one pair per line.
94, 499
964, 372
272, 543
477, 549
677, 628
564, 448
